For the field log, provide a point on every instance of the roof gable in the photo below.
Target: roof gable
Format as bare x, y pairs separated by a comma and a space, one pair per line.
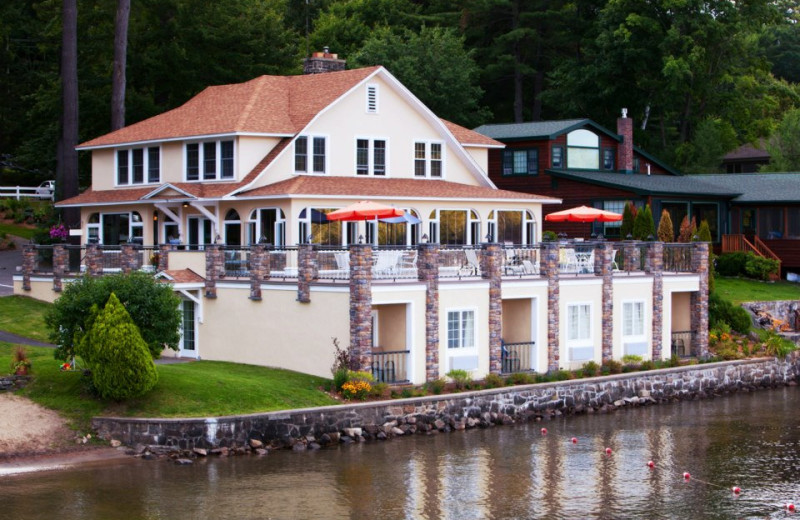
540, 129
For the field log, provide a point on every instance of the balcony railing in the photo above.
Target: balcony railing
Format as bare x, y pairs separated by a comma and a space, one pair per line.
520, 260
459, 262
678, 258
516, 357
390, 367
682, 343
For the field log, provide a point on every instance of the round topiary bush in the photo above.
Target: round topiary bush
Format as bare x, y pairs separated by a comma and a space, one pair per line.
116, 354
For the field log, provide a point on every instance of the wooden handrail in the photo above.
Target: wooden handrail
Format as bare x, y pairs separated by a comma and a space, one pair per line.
733, 243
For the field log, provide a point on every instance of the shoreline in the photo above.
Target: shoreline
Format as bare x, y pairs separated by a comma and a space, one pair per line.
57, 460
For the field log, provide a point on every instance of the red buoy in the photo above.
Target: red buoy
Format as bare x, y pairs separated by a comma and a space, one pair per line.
544, 431
686, 475
574, 440
790, 507
736, 490
608, 451
651, 464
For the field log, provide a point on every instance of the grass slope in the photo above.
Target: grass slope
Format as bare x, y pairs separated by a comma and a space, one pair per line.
17, 230
739, 290
23, 316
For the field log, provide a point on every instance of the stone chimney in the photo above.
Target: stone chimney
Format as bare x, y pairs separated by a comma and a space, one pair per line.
625, 149
321, 62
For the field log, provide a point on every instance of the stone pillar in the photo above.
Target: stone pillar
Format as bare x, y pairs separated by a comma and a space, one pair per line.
361, 306
215, 267
94, 260
428, 273
28, 265
604, 266
306, 271
60, 265
549, 270
491, 269
257, 268
266, 263
163, 257
632, 260
127, 258
700, 260
655, 266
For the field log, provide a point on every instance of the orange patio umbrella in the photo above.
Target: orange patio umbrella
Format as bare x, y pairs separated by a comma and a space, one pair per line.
583, 214
365, 210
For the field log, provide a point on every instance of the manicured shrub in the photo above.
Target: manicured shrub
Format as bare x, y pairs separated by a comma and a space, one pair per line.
613, 366
519, 378
461, 378
774, 344
731, 264
590, 369
493, 381
647, 365
116, 354
436, 386
687, 230
759, 267
549, 236
628, 219
721, 310
665, 229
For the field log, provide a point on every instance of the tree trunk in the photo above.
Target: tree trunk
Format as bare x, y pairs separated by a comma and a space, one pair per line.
120, 60
67, 171
517, 71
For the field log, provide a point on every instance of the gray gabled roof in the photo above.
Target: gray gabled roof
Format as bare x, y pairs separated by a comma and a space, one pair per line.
687, 185
777, 188
537, 129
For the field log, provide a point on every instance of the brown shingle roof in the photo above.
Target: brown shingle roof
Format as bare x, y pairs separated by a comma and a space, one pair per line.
280, 105
466, 136
184, 276
384, 188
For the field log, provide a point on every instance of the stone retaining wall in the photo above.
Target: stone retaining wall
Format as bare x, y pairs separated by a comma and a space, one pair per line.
13, 382
314, 427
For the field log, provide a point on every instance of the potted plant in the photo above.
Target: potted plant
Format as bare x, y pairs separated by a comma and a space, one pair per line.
20, 363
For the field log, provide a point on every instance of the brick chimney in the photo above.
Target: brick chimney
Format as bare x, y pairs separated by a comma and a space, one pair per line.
321, 62
625, 149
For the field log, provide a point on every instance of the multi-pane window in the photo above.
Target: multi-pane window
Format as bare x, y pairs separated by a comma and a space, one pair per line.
460, 329
132, 164
583, 150
521, 162
611, 229
316, 154
428, 160
211, 160
557, 157
633, 319
370, 157
608, 158
579, 322
188, 330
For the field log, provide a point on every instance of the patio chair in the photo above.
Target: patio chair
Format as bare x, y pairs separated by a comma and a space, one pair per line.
472, 266
386, 262
614, 265
407, 264
528, 267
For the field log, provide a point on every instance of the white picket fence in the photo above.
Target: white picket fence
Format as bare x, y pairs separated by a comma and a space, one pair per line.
19, 192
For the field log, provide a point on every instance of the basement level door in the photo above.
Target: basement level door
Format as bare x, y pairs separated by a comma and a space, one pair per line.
188, 346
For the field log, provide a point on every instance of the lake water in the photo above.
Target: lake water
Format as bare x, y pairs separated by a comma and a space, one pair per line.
747, 440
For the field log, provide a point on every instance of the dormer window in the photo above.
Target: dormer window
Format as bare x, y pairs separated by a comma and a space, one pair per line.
583, 150
309, 161
209, 161
372, 99
138, 166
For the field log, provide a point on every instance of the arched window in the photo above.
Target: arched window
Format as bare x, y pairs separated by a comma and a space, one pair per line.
233, 228
267, 226
115, 228
405, 232
514, 226
583, 150
315, 228
455, 227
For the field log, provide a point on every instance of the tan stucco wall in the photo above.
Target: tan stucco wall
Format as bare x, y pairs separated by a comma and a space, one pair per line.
277, 331
41, 289
250, 150
103, 169
587, 290
681, 311
194, 260
465, 296
629, 290
391, 326
517, 320
480, 156
411, 298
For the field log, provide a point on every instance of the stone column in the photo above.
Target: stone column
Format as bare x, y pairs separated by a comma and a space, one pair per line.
306, 271
428, 273
632, 260
28, 265
491, 269
127, 258
604, 266
215, 266
700, 260
163, 257
94, 260
361, 306
549, 270
60, 265
257, 268
655, 266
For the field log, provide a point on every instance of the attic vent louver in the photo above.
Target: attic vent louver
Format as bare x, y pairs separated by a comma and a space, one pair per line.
372, 99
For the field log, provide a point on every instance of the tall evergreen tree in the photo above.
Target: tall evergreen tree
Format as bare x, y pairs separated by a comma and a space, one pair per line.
665, 229
120, 64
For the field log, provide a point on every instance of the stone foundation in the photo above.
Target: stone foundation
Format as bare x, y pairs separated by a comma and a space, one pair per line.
314, 427
13, 382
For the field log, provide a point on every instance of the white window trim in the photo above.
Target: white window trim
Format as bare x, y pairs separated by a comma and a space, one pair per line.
580, 342
428, 158
310, 154
98, 226
528, 221
371, 156
145, 165
218, 171
461, 351
372, 87
471, 239
634, 337
280, 225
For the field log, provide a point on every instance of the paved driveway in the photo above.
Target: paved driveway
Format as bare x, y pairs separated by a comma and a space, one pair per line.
9, 260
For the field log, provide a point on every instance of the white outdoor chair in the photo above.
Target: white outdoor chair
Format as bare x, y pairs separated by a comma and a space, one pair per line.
473, 265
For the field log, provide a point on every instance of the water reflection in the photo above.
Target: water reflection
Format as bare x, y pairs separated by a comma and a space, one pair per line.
749, 440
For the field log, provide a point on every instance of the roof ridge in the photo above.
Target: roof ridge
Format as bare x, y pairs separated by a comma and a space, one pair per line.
254, 95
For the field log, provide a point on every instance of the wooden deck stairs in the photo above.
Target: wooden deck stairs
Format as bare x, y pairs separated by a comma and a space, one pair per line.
734, 243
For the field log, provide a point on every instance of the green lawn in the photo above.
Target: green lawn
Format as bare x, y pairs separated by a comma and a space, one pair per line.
17, 230
23, 316
195, 389
739, 290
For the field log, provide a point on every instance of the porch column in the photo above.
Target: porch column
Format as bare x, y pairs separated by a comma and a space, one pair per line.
306, 271
603, 266
257, 269
549, 269
94, 260
163, 257
428, 273
655, 266
632, 258
491, 265
700, 301
28, 264
361, 306
60, 265
128, 258
215, 266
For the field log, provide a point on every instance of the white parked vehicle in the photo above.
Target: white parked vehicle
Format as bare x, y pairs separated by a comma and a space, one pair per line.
46, 190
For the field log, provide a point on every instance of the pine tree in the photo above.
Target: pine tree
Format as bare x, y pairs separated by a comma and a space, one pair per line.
117, 355
643, 226
703, 232
665, 230
688, 230
628, 218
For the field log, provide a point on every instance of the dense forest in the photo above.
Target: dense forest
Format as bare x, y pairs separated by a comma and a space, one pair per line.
699, 77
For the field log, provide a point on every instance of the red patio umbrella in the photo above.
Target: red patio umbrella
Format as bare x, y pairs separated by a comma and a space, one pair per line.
365, 210
583, 214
